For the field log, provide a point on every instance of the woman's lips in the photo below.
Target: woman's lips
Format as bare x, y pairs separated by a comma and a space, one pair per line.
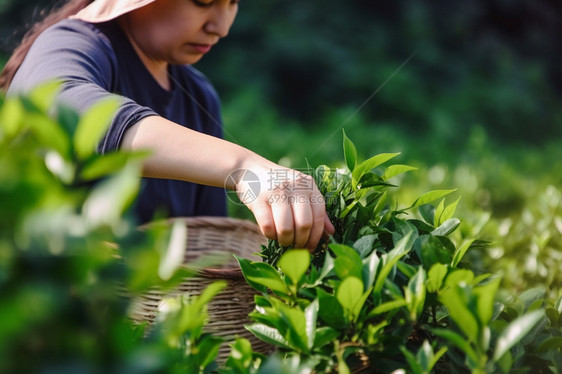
201, 48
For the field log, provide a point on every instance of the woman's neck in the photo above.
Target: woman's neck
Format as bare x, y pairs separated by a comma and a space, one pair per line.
158, 69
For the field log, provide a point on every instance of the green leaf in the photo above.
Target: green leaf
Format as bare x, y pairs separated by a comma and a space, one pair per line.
448, 212
365, 244
392, 257
370, 268
262, 276
435, 277
415, 367
347, 262
311, 315
296, 332
552, 343
350, 152
330, 310
456, 299
394, 170
370, 164
44, 95
49, 133
107, 202
325, 335
457, 340
485, 300
210, 292
208, 348
294, 263
92, 126
438, 213
428, 197
107, 164
415, 293
269, 335
459, 277
11, 117
387, 307
432, 251
172, 259
349, 293
427, 211
460, 252
447, 227
516, 331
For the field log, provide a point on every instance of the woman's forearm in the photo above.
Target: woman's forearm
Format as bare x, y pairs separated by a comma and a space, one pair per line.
184, 154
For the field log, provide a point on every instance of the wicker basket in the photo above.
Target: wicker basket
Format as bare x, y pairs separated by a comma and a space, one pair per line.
228, 312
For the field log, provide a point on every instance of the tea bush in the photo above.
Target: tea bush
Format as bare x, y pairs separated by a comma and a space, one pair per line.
394, 287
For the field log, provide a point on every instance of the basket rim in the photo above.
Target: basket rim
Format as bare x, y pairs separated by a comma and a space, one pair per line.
208, 221
217, 222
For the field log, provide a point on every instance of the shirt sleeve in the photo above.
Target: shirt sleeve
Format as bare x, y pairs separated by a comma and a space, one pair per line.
81, 57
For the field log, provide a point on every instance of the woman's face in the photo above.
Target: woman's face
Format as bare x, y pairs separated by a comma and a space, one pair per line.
179, 31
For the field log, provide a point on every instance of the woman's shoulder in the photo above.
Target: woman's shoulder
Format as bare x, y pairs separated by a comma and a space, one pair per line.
76, 34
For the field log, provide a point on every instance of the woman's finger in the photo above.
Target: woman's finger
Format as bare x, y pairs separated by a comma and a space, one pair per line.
304, 220
284, 221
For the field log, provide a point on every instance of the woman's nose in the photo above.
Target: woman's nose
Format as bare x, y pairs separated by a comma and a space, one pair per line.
219, 22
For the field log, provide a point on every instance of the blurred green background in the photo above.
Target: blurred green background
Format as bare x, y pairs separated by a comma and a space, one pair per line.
469, 92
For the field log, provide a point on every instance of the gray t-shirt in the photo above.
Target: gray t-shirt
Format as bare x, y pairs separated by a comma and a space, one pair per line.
95, 61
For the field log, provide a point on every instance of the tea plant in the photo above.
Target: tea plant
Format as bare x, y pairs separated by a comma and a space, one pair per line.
390, 289
68, 249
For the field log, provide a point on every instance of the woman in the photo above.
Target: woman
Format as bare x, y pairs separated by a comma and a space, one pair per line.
141, 51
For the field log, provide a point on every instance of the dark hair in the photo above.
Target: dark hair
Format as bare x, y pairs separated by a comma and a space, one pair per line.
69, 8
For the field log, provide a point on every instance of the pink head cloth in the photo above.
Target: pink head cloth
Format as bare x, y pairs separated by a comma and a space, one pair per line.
105, 10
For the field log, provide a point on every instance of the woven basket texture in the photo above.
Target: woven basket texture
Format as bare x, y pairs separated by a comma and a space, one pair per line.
220, 238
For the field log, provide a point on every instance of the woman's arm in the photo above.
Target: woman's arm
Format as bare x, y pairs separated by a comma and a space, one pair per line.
283, 209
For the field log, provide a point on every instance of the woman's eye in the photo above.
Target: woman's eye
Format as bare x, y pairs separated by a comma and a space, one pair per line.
203, 3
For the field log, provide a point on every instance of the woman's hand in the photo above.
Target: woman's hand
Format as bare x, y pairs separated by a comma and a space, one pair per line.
286, 203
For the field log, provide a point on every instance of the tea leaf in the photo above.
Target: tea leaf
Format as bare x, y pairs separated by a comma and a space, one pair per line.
208, 348
485, 302
387, 307
311, 315
438, 212
348, 262
447, 227
296, 333
553, 343
460, 252
449, 211
435, 277
457, 340
370, 164
349, 293
330, 310
44, 95
457, 304
294, 264
399, 251
430, 196
394, 170
516, 331
369, 270
108, 164
93, 125
261, 276
415, 293
325, 335
350, 152
269, 335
